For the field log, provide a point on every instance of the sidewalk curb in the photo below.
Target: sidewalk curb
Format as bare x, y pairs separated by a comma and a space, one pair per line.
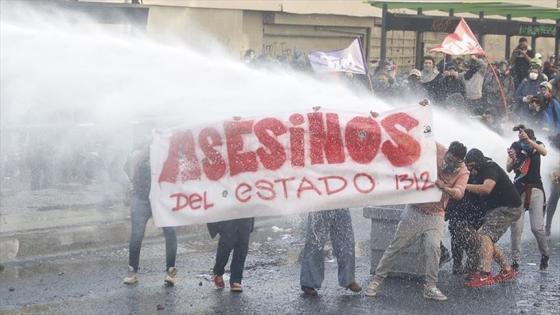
34, 244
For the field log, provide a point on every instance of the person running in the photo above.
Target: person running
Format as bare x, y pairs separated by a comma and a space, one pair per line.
525, 160
504, 208
336, 225
426, 222
140, 213
234, 236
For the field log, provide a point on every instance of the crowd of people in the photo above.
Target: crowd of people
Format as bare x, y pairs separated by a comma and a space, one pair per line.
524, 89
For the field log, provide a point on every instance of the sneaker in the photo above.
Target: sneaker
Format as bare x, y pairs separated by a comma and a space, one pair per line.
372, 288
219, 282
132, 277
309, 291
354, 287
434, 293
515, 265
505, 275
544, 262
170, 276
480, 280
236, 287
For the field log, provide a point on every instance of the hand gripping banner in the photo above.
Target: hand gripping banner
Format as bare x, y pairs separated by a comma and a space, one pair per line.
292, 163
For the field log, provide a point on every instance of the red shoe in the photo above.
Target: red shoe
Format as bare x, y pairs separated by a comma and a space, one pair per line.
506, 275
219, 282
480, 281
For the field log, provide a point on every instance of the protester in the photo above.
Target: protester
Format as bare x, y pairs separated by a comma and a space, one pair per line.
503, 204
430, 77
426, 222
140, 213
465, 218
382, 86
549, 70
336, 225
449, 83
473, 78
525, 160
554, 184
520, 59
525, 93
551, 108
414, 85
234, 236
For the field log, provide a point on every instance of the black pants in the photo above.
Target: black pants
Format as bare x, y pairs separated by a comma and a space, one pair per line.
234, 236
464, 239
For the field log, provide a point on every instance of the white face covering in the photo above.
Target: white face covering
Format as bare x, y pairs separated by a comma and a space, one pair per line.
533, 76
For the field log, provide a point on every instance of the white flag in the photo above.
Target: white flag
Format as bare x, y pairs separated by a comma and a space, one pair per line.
349, 59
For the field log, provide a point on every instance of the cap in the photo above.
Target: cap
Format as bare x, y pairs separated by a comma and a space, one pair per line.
546, 85
415, 72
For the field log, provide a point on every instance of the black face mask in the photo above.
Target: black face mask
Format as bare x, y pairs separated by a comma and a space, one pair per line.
450, 165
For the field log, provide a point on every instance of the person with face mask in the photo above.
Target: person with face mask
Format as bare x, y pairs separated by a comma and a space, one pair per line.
529, 185
525, 92
503, 208
426, 222
414, 86
520, 60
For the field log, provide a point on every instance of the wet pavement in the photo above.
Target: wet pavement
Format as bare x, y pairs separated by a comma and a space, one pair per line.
91, 283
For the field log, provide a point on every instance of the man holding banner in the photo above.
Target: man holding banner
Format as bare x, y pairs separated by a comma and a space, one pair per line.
426, 222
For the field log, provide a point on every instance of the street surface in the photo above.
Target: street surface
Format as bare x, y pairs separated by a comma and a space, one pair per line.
91, 283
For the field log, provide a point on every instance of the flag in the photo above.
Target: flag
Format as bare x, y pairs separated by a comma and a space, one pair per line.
349, 59
460, 42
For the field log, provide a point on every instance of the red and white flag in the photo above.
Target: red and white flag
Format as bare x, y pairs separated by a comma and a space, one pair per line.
349, 59
460, 42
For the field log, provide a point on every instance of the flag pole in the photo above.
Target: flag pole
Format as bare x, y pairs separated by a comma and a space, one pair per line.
500, 87
364, 62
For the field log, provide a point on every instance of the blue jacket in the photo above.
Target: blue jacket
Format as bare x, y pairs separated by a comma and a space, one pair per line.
527, 87
552, 116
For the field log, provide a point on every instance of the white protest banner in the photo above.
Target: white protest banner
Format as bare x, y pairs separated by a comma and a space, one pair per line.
292, 163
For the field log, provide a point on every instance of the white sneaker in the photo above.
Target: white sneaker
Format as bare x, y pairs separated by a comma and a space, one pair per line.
170, 276
372, 288
434, 293
132, 277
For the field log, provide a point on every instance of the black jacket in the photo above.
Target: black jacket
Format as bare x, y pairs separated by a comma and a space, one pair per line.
230, 226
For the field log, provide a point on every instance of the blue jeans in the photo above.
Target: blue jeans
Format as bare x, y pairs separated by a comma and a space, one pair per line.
140, 212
